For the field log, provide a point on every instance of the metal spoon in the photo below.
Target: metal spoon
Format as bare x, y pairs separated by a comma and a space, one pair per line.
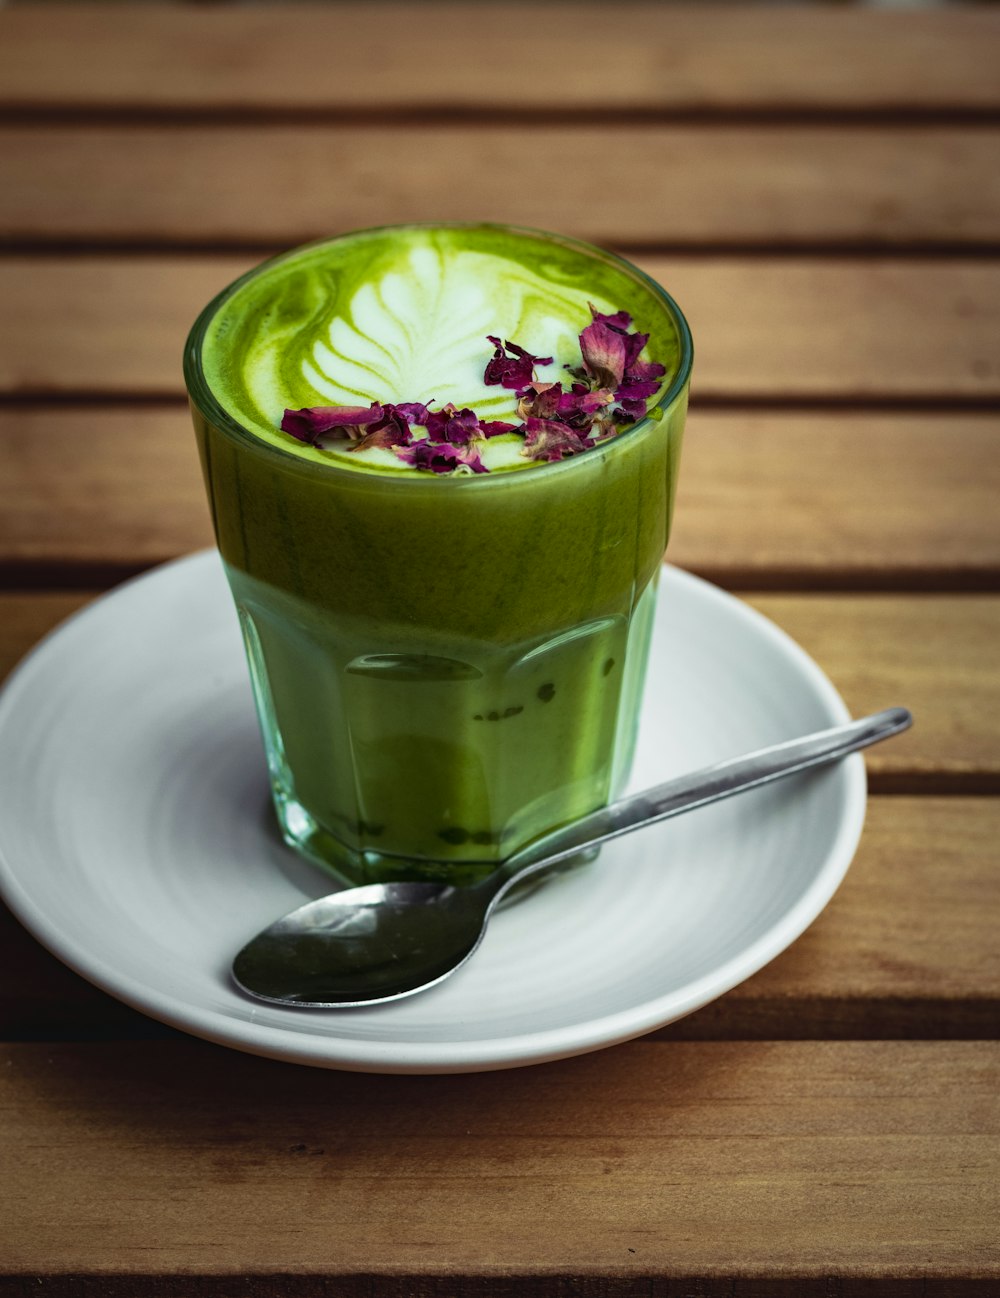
362, 946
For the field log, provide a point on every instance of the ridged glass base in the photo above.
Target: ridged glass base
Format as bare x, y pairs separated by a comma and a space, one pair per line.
442, 761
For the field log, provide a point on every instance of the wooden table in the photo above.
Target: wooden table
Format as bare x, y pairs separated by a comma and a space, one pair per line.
820, 189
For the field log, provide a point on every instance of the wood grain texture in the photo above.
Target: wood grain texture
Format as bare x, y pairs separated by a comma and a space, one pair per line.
935, 655
839, 498
775, 499
799, 329
733, 185
765, 1160
129, 492
906, 949
651, 58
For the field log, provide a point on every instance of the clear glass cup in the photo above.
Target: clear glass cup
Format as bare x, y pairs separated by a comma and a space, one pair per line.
444, 667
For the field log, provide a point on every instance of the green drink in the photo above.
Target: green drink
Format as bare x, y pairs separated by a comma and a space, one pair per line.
446, 665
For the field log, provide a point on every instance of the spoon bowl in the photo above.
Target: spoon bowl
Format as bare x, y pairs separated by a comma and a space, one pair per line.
364, 944
380, 942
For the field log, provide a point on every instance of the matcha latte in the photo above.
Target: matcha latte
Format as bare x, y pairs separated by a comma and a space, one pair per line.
445, 566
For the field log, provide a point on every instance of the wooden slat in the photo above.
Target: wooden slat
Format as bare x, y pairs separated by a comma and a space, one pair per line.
907, 948
814, 329
800, 1164
642, 57
765, 499
732, 185
936, 655
849, 499
796, 329
128, 493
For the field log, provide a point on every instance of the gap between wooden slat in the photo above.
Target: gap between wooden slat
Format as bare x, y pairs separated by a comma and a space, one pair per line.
26, 575
871, 249
445, 116
692, 253
294, 1284
469, 1284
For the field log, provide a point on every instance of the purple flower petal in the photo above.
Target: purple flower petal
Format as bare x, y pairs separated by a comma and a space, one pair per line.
539, 400
549, 439
495, 427
620, 320
515, 371
604, 354
393, 431
636, 390
631, 409
642, 371
441, 457
458, 427
634, 343
310, 423
583, 402
414, 412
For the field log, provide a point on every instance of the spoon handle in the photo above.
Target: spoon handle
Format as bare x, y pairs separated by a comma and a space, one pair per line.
710, 784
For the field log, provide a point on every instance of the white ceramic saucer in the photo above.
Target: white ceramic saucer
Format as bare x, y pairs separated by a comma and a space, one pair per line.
136, 841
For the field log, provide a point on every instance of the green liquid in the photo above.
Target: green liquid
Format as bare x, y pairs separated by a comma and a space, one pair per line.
445, 668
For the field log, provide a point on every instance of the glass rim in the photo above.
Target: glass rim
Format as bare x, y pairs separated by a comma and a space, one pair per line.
211, 408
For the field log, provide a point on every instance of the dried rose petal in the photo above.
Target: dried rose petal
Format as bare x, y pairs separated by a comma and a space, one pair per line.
441, 457
414, 412
604, 354
495, 427
643, 370
458, 427
636, 389
515, 371
549, 439
394, 431
634, 343
309, 424
621, 320
629, 410
637, 381
539, 400
365, 426
581, 402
